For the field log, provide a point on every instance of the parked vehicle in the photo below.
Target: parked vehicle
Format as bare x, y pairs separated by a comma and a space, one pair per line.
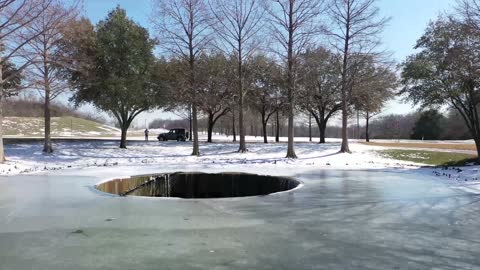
177, 134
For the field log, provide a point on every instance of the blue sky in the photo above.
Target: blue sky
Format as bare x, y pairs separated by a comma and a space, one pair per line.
409, 19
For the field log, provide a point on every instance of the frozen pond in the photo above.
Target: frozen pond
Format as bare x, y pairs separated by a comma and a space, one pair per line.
338, 220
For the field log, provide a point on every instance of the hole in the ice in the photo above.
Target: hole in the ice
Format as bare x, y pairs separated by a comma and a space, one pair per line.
198, 185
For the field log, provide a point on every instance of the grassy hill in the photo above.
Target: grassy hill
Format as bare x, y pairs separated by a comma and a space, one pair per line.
64, 126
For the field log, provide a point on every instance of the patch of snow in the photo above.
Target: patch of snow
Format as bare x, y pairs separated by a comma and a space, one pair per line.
28, 157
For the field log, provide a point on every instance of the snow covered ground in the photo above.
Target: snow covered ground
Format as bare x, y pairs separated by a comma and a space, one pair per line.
220, 156
28, 157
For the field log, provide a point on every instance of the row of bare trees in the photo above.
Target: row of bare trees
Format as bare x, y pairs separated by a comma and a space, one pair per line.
283, 30
318, 88
221, 56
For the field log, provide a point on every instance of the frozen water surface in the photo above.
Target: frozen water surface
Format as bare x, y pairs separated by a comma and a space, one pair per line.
337, 220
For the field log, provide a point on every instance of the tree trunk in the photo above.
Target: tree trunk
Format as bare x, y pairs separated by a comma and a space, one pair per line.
47, 145
196, 148
2, 101
358, 124
264, 128
291, 85
367, 136
234, 132
2, 153
123, 139
242, 147
273, 130
290, 149
344, 148
346, 52
310, 127
322, 127
190, 122
277, 133
210, 127
321, 123
472, 122
477, 145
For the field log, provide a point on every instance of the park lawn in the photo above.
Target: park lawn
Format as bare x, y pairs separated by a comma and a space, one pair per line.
430, 157
449, 146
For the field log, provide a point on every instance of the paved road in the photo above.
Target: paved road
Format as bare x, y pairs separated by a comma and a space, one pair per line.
338, 220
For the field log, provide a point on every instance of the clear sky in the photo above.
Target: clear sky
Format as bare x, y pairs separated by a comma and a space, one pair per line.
409, 19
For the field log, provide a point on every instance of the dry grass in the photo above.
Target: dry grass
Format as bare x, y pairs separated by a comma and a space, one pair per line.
61, 126
430, 157
446, 146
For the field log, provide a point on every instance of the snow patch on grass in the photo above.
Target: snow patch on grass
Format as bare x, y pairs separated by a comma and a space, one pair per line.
216, 157
28, 157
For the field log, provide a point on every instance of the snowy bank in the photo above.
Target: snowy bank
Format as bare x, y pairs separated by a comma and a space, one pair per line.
221, 156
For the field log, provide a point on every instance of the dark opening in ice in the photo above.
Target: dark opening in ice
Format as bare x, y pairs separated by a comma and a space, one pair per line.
199, 185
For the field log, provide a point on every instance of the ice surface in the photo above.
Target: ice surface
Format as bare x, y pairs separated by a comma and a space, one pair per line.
338, 220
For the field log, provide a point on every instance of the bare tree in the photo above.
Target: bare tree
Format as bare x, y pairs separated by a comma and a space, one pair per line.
354, 32
45, 75
15, 16
237, 24
294, 24
184, 29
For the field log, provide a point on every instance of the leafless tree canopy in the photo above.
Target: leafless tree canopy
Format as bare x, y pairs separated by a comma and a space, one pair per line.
470, 10
237, 24
182, 26
358, 22
297, 23
44, 50
15, 16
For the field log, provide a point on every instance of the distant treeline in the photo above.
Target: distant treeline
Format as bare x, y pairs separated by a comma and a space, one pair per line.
35, 108
428, 125
432, 126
